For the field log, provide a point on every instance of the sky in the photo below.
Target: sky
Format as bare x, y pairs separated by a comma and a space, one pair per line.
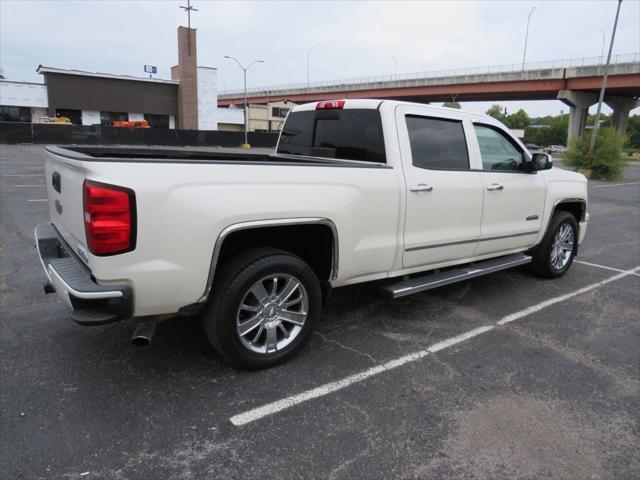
349, 38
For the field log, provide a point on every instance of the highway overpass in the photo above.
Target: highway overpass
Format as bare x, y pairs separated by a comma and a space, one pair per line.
574, 81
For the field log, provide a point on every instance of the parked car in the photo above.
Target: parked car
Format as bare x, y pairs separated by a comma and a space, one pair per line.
556, 149
412, 196
532, 147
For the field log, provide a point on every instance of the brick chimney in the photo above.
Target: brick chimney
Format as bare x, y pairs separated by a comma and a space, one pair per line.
187, 73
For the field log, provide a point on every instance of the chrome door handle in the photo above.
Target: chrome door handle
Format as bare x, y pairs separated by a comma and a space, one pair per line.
495, 186
421, 187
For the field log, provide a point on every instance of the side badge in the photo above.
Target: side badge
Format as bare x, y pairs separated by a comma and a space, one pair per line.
58, 206
532, 217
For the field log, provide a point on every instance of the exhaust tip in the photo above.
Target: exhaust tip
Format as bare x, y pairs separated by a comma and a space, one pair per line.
143, 334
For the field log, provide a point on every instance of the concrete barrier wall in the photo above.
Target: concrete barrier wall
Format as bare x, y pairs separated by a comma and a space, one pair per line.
42, 133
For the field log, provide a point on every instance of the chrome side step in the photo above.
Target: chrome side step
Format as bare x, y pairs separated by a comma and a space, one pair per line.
472, 270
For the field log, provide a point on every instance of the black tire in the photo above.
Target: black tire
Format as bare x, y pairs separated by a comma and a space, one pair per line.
232, 284
542, 264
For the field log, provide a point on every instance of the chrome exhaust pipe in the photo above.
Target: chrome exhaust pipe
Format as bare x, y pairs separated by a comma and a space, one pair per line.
143, 333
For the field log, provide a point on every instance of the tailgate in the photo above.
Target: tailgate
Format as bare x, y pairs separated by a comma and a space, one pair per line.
64, 178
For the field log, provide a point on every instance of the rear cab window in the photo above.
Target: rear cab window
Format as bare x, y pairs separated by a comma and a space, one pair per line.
348, 134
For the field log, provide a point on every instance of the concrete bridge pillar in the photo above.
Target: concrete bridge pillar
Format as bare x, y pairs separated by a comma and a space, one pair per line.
621, 107
579, 103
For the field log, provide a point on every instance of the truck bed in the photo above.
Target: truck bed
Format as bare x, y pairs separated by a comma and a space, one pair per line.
161, 155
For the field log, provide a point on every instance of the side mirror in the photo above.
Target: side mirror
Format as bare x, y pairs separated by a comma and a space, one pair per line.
541, 161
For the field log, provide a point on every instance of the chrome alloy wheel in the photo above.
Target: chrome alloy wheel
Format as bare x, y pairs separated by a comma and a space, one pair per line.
272, 313
562, 247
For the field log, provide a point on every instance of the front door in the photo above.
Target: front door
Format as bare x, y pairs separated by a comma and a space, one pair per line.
513, 197
444, 196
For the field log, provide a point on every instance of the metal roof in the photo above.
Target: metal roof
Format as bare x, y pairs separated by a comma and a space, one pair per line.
42, 69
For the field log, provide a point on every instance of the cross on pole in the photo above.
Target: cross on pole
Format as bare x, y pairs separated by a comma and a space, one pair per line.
188, 9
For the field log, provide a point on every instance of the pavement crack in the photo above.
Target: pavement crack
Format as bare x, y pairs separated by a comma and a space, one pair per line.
342, 345
575, 355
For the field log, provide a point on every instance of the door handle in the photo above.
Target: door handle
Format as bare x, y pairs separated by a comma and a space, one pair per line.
495, 186
421, 187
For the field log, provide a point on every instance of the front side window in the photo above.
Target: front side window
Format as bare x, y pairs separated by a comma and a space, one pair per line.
437, 143
497, 151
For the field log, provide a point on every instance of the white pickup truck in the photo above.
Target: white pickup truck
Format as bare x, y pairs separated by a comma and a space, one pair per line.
409, 195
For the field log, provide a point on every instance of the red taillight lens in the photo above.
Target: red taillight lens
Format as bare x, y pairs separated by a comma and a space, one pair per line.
109, 218
330, 104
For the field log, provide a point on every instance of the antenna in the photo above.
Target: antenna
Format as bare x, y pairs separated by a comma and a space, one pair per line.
188, 9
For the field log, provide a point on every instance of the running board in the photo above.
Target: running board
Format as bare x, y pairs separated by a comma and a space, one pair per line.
472, 270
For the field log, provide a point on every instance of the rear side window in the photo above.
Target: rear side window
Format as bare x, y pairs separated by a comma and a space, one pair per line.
437, 143
351, 134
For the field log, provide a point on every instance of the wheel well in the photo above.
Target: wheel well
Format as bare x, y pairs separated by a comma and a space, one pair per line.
575, 208
313, 243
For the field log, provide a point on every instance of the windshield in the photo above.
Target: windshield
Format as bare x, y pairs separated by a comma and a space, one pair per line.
352, 134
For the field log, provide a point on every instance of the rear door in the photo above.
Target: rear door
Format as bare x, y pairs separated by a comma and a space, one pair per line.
444, 195
513, 197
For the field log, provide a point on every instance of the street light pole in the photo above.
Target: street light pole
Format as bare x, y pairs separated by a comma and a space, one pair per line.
308, 55
603, 43
594, 132
246, 110
526, 38
395, 62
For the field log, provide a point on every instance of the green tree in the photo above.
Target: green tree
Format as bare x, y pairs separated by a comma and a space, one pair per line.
453, 104
634, 131
497, 112
520, 119
548, 131
607, 163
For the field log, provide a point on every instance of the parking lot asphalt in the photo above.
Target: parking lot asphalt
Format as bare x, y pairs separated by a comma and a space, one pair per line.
546, 385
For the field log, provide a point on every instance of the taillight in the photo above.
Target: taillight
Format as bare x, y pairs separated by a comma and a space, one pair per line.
109, 218
330, 104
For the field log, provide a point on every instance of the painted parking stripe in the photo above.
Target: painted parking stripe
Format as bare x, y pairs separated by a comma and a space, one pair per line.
616, 185
23, 175
605, 267
288, 402
23, 186
536, 308
38, 200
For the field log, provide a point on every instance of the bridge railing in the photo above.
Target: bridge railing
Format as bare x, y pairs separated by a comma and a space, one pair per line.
406, 79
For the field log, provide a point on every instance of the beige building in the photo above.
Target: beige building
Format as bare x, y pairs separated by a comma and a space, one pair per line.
262, 118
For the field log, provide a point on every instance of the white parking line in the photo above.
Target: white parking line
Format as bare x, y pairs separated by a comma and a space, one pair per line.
38, 200
22, 186
280, 405
597, 265
616, 185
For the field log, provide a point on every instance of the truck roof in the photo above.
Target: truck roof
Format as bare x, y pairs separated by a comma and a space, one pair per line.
374, 103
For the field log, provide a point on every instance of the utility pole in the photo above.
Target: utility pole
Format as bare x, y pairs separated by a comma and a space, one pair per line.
526, 38
395, 63
246, 110
308, 55
188, 9
596, 125
603, 44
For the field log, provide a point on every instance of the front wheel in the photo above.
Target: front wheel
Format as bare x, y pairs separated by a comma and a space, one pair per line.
553, 257
263, 308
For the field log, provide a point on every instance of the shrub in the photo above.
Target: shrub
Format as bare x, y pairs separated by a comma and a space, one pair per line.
607, 163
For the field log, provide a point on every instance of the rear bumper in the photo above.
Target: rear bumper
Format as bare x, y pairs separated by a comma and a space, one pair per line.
90, 302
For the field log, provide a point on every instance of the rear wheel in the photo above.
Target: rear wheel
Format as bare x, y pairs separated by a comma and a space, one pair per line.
263, 308
553, 257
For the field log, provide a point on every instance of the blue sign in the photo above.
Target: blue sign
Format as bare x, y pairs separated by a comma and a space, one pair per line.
150, 69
